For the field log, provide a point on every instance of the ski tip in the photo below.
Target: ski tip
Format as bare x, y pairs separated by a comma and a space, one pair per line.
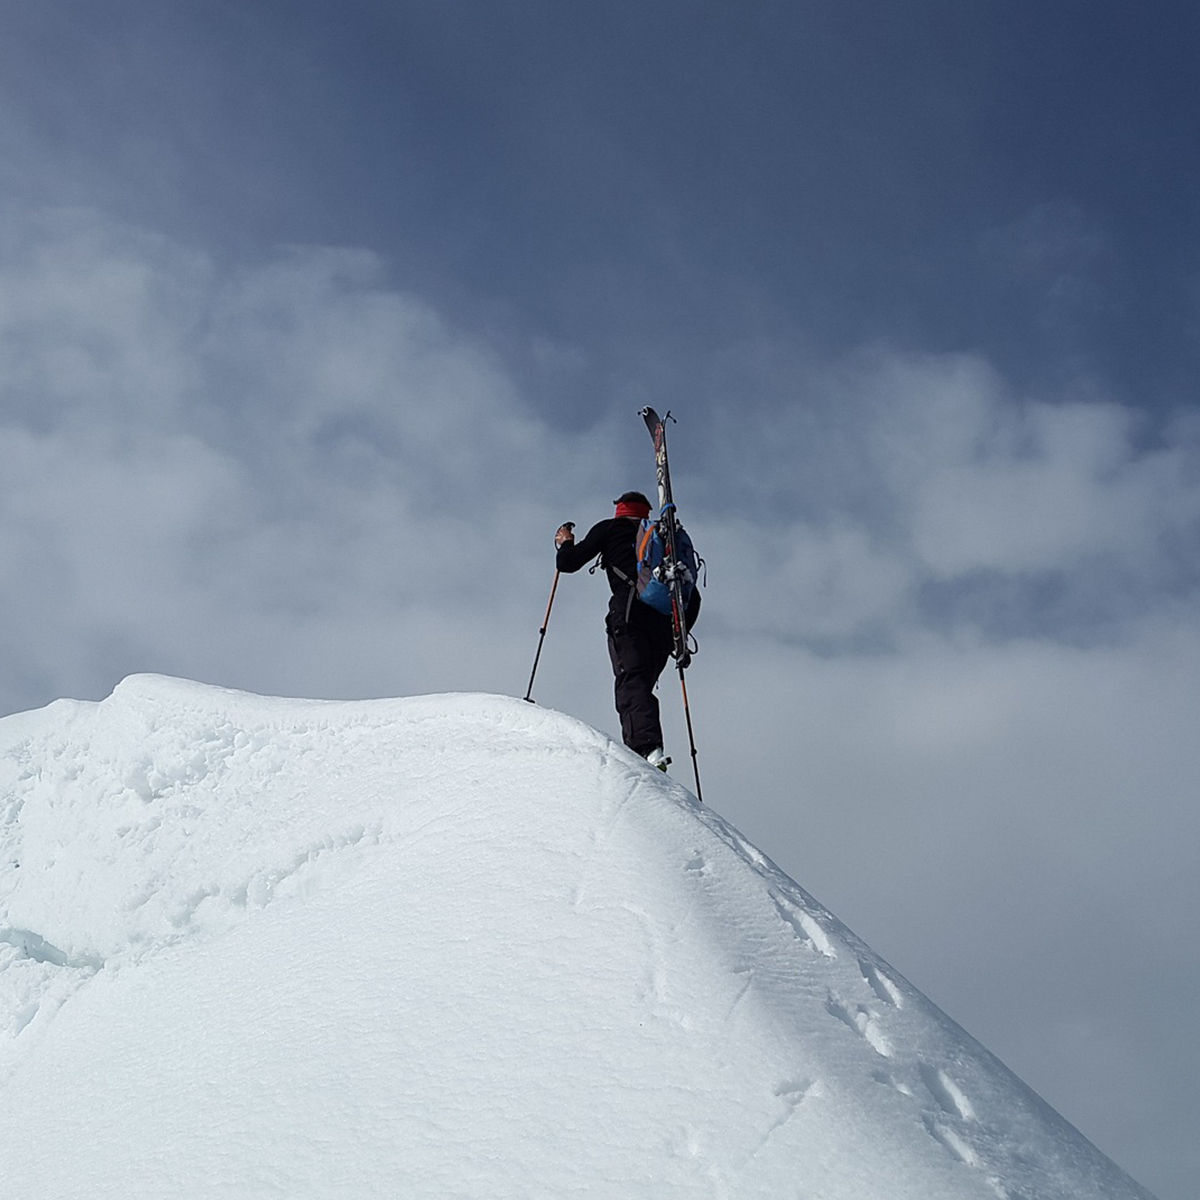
653, 421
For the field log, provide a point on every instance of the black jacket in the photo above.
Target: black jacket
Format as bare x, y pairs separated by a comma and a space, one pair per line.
613, 540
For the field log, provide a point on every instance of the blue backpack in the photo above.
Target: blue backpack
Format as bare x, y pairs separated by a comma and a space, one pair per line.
653, 584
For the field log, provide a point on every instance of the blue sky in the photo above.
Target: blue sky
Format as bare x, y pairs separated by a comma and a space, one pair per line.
316, 320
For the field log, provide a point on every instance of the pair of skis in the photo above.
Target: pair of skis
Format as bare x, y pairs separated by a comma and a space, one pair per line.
668, 525
672, 570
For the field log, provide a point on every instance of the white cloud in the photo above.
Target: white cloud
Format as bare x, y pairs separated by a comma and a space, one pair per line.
334, 446
212, 469
799, 581
917, 492
1061, 484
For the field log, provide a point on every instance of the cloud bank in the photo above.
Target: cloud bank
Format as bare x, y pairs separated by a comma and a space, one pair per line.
957, 618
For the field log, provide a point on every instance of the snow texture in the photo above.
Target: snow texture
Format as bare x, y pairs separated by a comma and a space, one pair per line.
449, 946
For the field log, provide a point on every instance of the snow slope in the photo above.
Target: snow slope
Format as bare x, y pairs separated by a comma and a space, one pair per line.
449, 946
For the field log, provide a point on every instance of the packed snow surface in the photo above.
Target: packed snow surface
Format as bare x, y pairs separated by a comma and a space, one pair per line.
449, 946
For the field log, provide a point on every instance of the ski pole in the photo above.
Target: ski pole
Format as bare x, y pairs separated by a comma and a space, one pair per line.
541, 639
687, 715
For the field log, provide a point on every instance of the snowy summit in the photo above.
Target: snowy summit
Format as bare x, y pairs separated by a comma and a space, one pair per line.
449, 946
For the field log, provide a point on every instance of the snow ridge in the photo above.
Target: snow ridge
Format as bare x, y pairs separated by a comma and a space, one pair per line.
517, 961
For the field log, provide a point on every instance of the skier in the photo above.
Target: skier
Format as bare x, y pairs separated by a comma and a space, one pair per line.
640, 640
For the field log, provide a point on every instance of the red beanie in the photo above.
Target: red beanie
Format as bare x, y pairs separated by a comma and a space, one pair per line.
633, 504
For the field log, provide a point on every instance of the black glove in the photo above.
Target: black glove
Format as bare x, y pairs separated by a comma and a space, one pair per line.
564, 534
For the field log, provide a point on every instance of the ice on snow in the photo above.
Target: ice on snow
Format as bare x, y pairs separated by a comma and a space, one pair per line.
449, 946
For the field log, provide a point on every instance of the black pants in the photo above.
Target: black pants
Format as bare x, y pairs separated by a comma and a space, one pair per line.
639, 650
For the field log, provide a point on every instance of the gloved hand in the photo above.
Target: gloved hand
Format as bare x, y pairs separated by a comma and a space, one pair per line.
564, 534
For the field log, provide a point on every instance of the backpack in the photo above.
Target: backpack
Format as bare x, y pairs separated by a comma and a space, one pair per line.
653, 583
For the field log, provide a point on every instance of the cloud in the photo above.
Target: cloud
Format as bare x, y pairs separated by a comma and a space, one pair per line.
949, 642
918, 493
1052, 486
299, 439
216, 465
834, 586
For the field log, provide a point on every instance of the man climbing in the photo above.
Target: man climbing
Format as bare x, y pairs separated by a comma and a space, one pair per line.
639, 638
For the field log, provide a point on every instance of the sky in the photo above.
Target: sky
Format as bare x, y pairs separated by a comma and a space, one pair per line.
315, 324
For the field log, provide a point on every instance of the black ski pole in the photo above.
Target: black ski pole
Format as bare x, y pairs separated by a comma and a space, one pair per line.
541, 638
687, 716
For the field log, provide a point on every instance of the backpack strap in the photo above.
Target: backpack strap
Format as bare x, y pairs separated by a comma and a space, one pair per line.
600, 562
632, 586
645, 534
